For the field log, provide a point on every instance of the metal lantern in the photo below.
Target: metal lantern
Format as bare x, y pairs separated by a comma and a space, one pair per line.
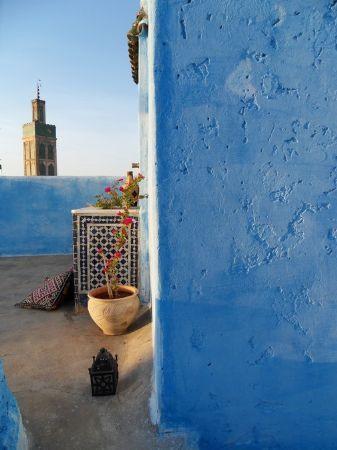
104, 373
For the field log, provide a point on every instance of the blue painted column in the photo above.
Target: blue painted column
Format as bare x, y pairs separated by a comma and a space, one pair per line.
144, 275
243, 221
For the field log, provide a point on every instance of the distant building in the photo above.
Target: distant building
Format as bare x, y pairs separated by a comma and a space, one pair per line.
39, 142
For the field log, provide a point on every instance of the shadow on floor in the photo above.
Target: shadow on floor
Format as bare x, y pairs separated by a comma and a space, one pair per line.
143, 319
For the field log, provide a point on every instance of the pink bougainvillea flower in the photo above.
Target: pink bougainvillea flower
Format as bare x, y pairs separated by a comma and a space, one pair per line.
119, 235
127, 221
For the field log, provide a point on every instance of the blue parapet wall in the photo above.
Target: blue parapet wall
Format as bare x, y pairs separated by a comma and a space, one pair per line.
12, 433
35, 212
243, 221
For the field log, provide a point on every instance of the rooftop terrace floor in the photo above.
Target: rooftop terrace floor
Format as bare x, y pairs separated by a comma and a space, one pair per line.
46, 357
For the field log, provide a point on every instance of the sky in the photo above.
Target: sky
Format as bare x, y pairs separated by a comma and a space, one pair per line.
78, 49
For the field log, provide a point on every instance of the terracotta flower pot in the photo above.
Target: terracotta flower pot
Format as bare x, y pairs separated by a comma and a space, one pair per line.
115, 315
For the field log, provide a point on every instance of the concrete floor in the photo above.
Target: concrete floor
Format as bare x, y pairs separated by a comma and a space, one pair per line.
46, 357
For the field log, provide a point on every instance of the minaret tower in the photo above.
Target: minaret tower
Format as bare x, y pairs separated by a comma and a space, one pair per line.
39, 142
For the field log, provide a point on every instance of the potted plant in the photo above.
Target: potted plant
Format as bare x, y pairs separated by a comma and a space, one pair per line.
111, 198
113, 307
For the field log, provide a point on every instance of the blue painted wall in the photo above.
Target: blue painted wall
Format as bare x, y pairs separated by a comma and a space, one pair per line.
144, 290
12, 433
243, 156
35, 212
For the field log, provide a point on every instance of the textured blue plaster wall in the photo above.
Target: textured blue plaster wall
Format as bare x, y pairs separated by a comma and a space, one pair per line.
244, 164
144, 289
12, 434
35, 212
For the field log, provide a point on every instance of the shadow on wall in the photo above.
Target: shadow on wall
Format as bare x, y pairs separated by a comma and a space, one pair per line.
282, 384
35, 212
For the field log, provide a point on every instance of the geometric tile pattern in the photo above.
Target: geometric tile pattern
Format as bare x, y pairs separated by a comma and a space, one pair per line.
95, 231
